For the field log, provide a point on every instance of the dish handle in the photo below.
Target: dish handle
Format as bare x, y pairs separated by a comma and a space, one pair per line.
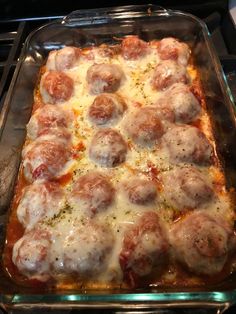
115, 308
86, 17
41, 307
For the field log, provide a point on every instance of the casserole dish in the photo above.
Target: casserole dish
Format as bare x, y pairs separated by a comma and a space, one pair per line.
94, 27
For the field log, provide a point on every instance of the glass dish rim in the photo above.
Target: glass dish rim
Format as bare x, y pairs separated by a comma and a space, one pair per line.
176, 298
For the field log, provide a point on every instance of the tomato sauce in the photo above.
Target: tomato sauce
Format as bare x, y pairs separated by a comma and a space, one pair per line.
14, 231
179, 276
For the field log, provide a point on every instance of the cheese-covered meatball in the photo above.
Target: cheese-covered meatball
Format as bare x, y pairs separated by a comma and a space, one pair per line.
48, 119
145, 249
182, 102
144, 126
201, 243
186, 188
39, 201
133, 48
165, 113
56, 87
106, 51
108, 148
187, 144
31, 254
56, 134
44, 158
140, 191
92, 193
63, 59
171, 48
104, 78
82, 249
167, 73
106, 109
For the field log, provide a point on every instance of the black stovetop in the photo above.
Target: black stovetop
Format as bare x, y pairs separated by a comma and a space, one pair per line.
19, 18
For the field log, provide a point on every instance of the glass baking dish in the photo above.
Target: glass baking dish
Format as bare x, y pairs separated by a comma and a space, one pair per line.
93, 27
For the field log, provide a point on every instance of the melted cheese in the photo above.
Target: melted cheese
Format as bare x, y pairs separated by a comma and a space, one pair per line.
136, 90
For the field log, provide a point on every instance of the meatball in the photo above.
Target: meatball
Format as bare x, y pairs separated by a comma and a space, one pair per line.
44, 158
39, 201
144, 126
31, 254
171, 48
93, 193
56, 87
145, 249
167, 73
104, 78
164, 111
186, 188
48, 119
106, 51
108, 148
63, 59
133, 48
165, 114
201, 242
187, 144
83, 249
182, 102
106, 108
57, 134
140, 191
